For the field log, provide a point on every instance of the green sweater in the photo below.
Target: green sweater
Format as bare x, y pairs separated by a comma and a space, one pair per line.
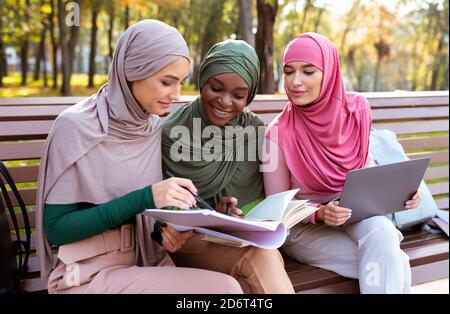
66, 223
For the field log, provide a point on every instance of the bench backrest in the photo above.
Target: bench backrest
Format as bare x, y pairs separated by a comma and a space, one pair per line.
420, 120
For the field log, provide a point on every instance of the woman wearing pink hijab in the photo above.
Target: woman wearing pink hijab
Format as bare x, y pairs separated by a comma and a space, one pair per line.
323, 133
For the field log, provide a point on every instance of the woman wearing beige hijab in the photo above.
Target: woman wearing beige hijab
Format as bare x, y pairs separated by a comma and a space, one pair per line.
101, 167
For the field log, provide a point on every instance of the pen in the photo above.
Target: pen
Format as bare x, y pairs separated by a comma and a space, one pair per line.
197, 198
227, 210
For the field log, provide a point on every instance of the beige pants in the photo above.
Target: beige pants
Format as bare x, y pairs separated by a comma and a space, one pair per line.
104, 264
256, 270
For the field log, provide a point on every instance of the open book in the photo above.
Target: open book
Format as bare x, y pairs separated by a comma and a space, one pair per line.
263, 234
264, 226
281, 207
277, 208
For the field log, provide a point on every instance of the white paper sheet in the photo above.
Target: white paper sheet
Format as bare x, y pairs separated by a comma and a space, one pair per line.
264, 234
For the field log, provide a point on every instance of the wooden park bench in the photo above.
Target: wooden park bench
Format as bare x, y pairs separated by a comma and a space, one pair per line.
420, 119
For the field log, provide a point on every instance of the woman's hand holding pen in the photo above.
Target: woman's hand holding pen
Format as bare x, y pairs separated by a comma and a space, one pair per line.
174, 192
333, 215
228, 206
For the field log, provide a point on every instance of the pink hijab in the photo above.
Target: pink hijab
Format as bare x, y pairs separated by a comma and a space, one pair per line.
323, 140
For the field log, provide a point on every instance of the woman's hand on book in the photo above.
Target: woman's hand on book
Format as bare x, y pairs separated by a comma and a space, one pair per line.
174, 192
333, 215
228, 206
173, 240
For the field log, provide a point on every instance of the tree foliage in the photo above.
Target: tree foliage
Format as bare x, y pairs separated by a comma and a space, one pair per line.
383, 45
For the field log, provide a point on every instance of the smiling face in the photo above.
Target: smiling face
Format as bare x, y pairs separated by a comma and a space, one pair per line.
224, 96
303, 82
156, 93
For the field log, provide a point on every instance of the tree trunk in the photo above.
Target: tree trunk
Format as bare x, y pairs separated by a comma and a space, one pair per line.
377, 71
54, 41
210, 34
65, 66
308, 5
67, 44
40, 52
2, 55
24, 59
111, 13
246, 21
127, 17
438, 62
265, 44
44, 68
319, 18
95, 11
24, 47
415, 66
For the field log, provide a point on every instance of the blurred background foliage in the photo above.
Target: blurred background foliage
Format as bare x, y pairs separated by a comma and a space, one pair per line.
384, 45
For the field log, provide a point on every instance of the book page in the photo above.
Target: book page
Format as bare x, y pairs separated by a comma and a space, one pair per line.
269, 239
298, 213
272, 208
210, 219
214, 239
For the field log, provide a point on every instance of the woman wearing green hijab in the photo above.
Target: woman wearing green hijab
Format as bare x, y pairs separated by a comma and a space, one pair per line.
218, 151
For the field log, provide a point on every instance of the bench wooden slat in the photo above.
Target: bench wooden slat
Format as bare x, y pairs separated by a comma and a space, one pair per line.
19, 217
17, 130
436, 173
21, 151
439, 188
29, 173
379, 115
400, 128
407, 99
415, 127
20, 101
28, 196
437, 156
21, 174
409, 113
442, 203
416, 143
34, 285
23, 113
57, 101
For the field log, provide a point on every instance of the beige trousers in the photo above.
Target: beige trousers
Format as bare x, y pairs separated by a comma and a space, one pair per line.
368, 250
257, 270
105, 264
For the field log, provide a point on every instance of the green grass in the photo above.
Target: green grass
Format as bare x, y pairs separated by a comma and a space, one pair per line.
78, 82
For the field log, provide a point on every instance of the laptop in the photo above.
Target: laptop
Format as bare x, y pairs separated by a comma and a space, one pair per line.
381, 190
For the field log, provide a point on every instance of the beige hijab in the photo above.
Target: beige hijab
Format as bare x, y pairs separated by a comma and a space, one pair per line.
107, 145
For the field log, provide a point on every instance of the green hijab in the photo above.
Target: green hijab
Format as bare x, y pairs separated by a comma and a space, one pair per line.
233, 170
